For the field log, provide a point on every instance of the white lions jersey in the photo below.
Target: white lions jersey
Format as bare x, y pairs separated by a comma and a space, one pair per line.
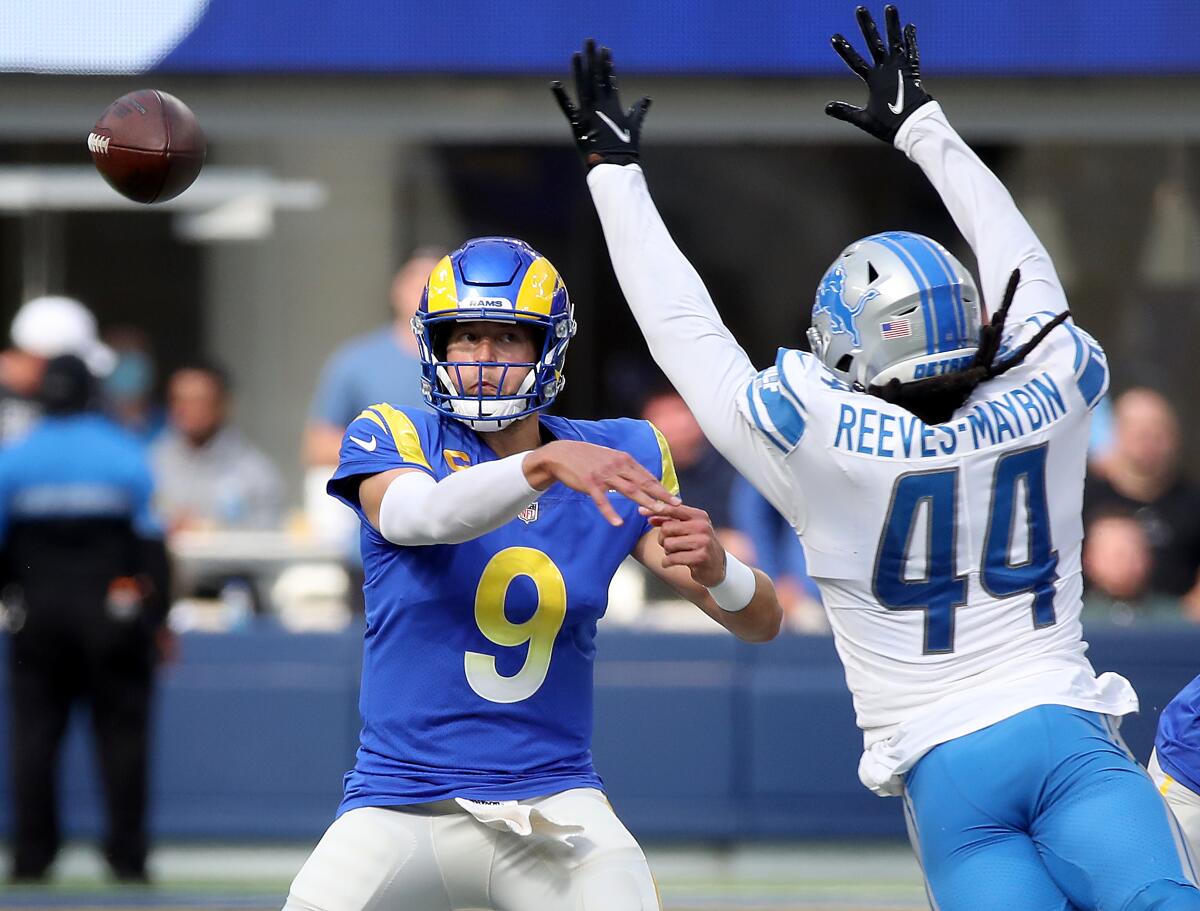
948, 556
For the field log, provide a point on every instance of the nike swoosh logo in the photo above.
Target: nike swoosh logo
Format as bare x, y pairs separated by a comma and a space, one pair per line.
622, 135
369, 446
899, 105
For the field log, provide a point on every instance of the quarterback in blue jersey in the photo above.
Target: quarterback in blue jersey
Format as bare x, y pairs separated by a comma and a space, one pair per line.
1175, 763
490, 534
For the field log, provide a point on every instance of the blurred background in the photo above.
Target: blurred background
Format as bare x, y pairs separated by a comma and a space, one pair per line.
352, 144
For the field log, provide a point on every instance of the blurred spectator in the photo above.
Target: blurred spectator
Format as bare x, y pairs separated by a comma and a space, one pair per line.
208, 475
1141, 478
43, 328
85, 577
1117, 566
1100, 438
129, 389
778, 552
705, 478
381, 366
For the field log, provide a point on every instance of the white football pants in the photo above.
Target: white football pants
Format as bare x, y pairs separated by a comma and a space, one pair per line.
576, 856
1183, 801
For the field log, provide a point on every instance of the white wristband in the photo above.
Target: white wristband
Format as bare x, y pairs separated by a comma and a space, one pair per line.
736, 590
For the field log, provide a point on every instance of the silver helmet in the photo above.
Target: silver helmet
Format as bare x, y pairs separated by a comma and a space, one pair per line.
895, 306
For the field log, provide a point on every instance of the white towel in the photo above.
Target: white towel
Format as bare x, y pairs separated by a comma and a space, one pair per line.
521, 819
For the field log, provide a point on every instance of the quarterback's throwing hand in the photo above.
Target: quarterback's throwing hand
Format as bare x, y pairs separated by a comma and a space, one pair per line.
604, 131
595, 470
893, 78
687, 538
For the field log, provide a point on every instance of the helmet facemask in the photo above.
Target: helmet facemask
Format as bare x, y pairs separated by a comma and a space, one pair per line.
489, 411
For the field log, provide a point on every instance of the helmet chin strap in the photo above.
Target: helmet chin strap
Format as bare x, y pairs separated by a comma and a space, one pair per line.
486, 415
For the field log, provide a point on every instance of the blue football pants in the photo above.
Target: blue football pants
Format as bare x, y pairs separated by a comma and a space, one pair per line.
1045, 811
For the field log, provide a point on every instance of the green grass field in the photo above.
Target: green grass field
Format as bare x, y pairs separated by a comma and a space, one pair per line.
749, 877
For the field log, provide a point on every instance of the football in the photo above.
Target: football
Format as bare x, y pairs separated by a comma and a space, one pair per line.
148, 145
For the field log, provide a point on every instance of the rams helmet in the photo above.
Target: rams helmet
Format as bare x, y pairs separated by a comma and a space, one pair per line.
895, 306
499, 279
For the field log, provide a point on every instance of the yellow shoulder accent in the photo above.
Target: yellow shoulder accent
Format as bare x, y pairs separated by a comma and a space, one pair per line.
371, 416
443, 289
404, 434
538, 286
669, 479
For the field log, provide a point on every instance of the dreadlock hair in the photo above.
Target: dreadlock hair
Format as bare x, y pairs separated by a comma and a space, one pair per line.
935, 399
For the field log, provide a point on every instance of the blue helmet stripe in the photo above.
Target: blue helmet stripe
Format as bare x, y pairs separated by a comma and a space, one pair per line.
942, 282
889, 241
960, 317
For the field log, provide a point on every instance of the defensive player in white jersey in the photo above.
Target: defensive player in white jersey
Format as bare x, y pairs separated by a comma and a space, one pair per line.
933, 467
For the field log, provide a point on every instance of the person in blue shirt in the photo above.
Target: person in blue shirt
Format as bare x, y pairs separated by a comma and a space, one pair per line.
380, 366
1175, 763
778, 552
84, 576
490, 532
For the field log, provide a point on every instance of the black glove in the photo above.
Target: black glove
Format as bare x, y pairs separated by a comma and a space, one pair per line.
603, 130
893, 83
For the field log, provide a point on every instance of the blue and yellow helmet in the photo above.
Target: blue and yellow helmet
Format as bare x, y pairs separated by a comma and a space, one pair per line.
499, 279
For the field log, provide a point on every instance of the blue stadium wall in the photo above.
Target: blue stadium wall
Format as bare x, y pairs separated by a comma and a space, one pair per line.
697, 737
758, 37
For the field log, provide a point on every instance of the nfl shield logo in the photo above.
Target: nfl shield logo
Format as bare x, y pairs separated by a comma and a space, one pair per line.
529, 513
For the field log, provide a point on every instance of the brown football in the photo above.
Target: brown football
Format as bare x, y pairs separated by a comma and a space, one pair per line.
148, 146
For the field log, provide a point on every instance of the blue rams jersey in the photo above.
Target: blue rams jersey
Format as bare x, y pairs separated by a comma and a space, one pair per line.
1178, 742
477, 662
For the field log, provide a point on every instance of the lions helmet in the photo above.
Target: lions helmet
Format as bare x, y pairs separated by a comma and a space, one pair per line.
895, 306
498, 279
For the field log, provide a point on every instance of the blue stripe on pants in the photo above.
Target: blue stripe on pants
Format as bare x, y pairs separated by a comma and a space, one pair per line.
1044, 812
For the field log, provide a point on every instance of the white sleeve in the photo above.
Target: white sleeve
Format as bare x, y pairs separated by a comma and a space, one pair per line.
986, 215
417, 509
684, 331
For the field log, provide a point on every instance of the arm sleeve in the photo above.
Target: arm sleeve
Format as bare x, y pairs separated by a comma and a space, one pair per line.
418, 510
986, 215
683, 329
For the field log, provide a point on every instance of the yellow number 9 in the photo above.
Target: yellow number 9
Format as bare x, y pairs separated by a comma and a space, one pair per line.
539, 630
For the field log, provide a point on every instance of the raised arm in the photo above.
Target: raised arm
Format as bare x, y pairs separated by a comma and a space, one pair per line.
685, 333
986, 215
672, 306
899, 111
